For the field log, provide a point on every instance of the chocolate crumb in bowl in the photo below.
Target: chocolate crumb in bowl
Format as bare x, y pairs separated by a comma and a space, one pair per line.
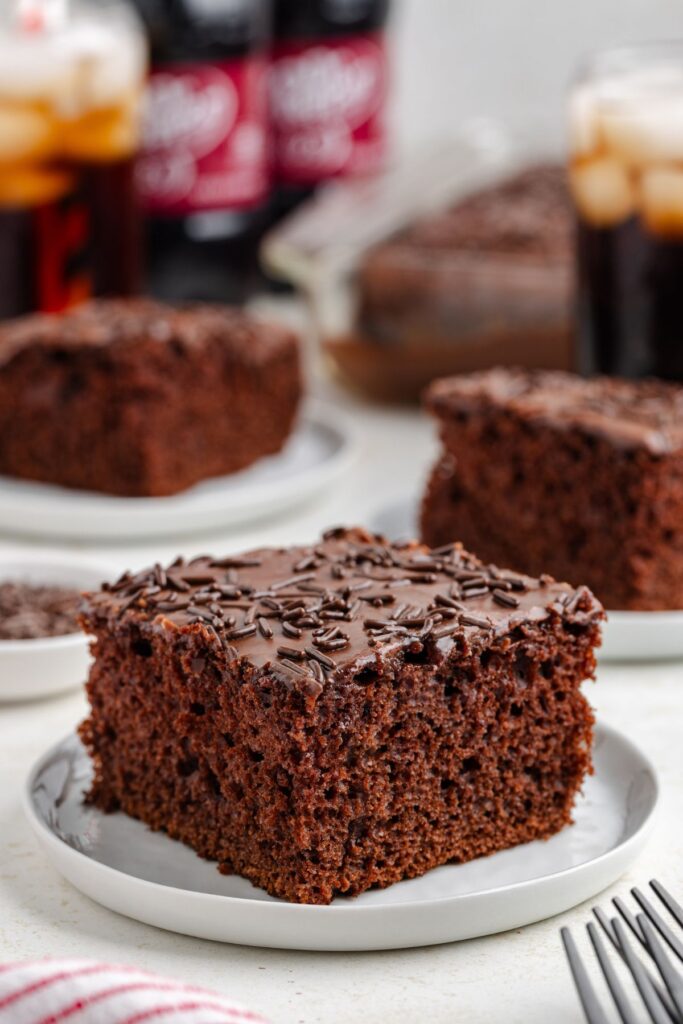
28, 612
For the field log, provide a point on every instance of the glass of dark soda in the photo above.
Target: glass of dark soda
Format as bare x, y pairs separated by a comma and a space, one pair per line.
626, 173
71, 80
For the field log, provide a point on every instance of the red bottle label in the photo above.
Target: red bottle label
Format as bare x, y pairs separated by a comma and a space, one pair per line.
327, 102
205, 137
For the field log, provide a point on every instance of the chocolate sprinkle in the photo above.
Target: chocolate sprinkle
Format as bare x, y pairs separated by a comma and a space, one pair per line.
506, 600
291, 652
264, 628
236, 563
293, 667
318, 656
475, 620
240, 634
293, 632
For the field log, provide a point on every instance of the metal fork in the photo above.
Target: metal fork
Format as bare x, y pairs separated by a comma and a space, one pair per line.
661, 993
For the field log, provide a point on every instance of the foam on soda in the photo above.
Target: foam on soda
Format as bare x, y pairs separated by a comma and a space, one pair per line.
73, 92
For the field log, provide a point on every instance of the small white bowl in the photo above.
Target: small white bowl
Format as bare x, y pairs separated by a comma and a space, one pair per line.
642, 636
30, 669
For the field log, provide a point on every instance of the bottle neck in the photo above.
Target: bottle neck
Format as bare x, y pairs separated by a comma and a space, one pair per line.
305, 19
205, 30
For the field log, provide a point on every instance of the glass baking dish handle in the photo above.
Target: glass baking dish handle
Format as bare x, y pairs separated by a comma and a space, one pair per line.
331, 231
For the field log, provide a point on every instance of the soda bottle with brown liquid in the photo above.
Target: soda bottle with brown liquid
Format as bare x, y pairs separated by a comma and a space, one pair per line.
70, 92
203, 174
328, 91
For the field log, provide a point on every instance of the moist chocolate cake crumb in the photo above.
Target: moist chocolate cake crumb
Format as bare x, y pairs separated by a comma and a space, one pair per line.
28, 611
414, 719
582, 478
136, 398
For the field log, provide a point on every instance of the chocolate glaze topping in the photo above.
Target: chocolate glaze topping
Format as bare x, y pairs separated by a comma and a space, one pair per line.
631, 414
307, 611
107, 323
527, 216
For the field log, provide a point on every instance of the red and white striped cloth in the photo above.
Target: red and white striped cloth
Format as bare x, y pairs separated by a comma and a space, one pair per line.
88, 992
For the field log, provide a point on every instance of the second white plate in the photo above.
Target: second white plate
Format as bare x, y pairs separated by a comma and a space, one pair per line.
626, 636
318, 452
145, 875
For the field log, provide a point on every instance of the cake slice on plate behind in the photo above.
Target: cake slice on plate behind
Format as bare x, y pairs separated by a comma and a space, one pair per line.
550, 472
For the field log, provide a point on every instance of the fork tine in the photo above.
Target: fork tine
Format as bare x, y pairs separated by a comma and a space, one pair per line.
640, 976
672, 979
659, 923
629, 919
661, 992
618, 995
674, 908
604, 923
589, 1001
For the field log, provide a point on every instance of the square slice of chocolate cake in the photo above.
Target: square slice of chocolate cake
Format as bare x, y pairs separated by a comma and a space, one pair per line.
326, 719
135, 398
550, 472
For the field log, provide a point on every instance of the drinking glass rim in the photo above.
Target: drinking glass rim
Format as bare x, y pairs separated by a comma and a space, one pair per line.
615, 61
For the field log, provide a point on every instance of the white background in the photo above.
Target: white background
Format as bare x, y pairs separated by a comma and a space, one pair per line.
509, 59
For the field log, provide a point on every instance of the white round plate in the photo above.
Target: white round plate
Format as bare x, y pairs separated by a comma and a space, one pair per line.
319, 450
31, 669
626, 636
119, 863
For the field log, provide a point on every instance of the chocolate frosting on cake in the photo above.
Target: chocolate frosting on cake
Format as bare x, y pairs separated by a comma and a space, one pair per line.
632, 414
111, 323
527, 216
307, 611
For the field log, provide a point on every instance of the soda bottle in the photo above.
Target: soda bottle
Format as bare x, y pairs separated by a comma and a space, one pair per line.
328, 87
70, 88
203, 175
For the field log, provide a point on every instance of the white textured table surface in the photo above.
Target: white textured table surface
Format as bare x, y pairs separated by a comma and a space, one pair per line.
517, 977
